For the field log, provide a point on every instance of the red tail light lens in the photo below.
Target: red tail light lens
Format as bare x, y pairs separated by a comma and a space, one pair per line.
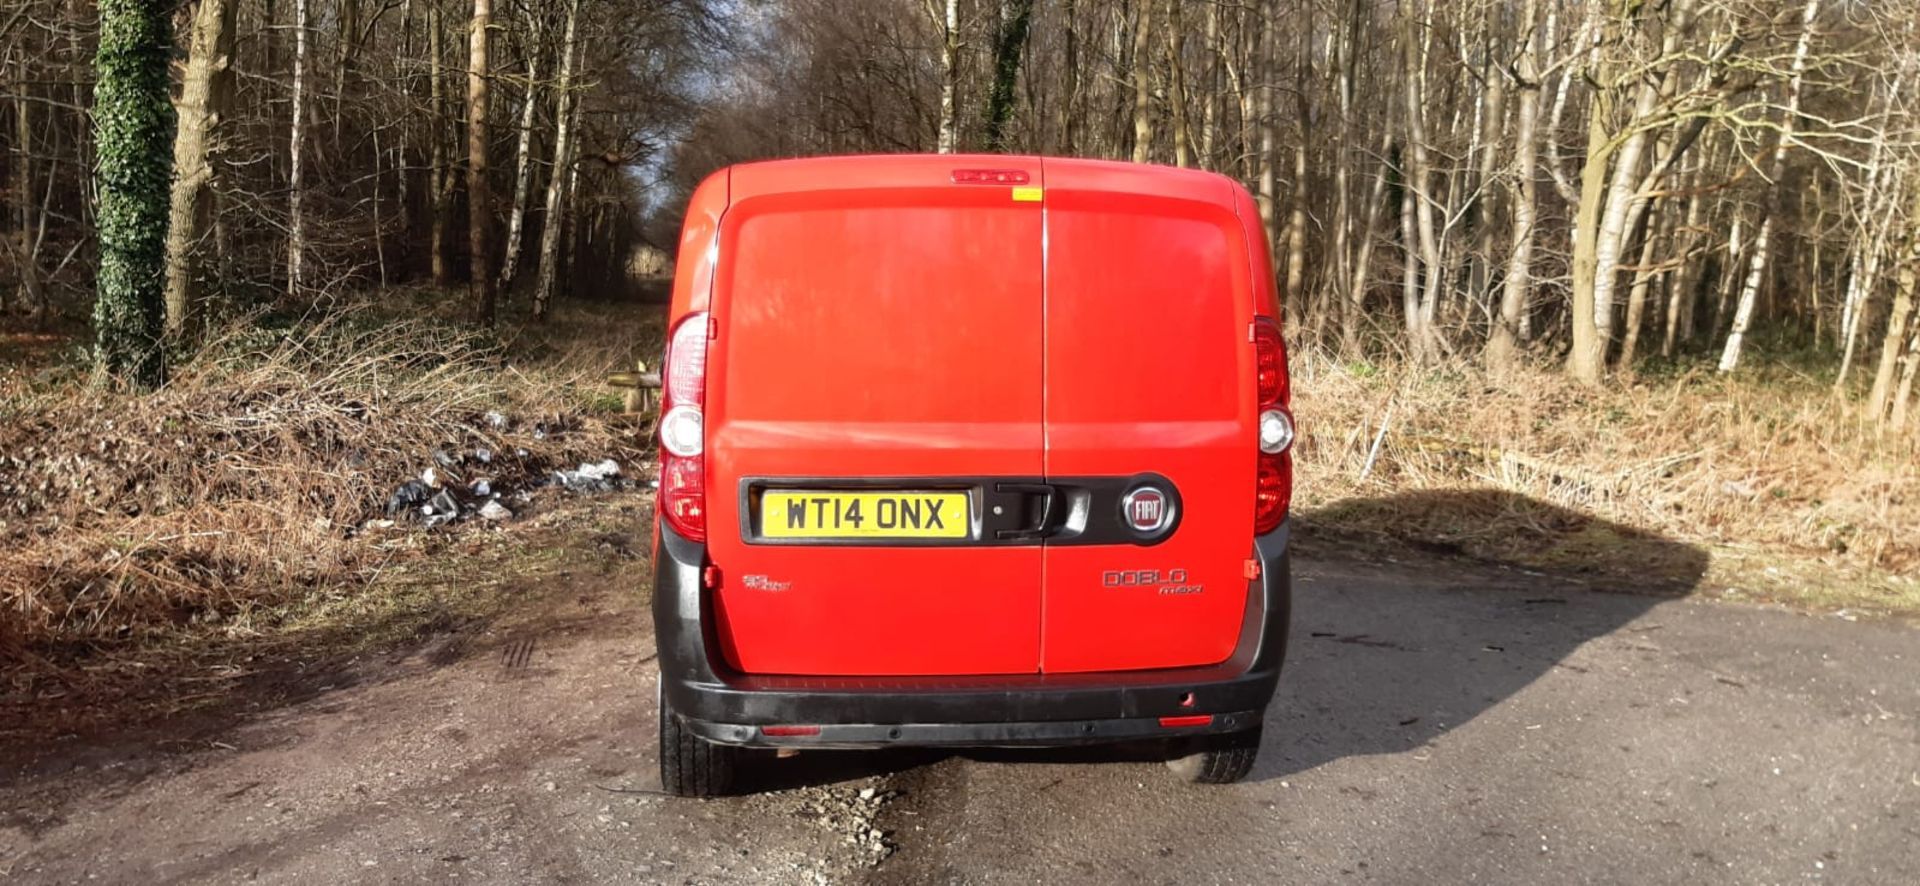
1272, 492
1273, 482
683, 495
683, 483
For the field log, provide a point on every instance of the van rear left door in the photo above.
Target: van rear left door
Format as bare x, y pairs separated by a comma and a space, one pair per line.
877, 328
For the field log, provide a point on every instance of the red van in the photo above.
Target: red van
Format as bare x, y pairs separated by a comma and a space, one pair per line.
970, 451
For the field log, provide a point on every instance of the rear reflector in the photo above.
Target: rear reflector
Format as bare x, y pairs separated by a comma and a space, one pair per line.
1185, 721
789, 731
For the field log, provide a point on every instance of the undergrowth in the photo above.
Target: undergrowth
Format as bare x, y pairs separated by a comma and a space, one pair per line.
249, 480
1760, 461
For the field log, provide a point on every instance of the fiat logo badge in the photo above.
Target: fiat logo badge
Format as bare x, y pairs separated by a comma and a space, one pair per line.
1147, 510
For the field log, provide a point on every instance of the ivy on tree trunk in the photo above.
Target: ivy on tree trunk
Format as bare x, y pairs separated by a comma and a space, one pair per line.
1008, 44
133, 124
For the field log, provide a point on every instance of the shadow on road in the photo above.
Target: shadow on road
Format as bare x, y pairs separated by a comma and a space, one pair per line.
1413, 614
1373, 669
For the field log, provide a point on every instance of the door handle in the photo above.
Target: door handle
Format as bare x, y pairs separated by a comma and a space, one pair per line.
1044, 524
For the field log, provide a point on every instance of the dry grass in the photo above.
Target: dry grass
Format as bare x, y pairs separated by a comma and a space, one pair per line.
1770, 468
248, 481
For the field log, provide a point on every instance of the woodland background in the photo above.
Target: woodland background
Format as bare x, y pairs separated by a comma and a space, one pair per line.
1649, 260
1596, 183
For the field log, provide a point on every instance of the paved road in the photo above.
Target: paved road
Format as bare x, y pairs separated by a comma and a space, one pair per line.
1438, 723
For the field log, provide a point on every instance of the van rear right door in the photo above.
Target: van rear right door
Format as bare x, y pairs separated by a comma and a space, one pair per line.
1149, 369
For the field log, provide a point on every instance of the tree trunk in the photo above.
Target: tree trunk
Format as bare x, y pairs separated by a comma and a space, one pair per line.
1904, 396
1142, 83
1503, 340
1259, 70
1210, 90
1586, 360
1862, 280
1296, 278
1492, 110
296, 144
20, 246
403, 74
1070, 126
1177, 73
439, 177
1906, 281
1637, 294
1680, 295
1864, 261
1757, 271
1409, 267
522, 172
1357, 284
1421, 325
1341, 257
479, 193
1607, 205
1608, 236
949, 79
346, 19
206, 90
550, 222
1009, 46
133, 122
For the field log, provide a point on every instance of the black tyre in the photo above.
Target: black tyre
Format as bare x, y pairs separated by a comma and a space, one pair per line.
1217, 759
691, 766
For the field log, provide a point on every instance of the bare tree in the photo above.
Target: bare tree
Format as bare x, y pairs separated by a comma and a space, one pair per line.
522, 164
296, 148
1141, 74
206, 92
439, 177
1504, 338
1905, 300
550, 227
950, 79
479, 191
1776, 169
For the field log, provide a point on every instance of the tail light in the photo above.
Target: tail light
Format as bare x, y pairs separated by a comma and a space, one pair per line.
1273, 481
683, 438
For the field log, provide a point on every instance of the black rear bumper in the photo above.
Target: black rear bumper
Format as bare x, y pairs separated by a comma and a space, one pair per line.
1012, 710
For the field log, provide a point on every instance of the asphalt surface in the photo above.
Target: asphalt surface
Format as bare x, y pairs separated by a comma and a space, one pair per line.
1438, 722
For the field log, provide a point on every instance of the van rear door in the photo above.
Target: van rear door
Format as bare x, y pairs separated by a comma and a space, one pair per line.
876, 337
1149, 368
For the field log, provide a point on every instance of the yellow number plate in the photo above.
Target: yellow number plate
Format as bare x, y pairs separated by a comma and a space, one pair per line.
799, 513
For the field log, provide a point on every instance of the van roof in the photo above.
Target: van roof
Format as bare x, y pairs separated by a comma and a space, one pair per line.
857, 172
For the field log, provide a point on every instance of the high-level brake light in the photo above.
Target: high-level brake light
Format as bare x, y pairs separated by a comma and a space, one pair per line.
991, 177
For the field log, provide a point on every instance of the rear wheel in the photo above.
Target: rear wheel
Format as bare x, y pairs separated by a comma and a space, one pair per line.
1217, 759
691, 766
